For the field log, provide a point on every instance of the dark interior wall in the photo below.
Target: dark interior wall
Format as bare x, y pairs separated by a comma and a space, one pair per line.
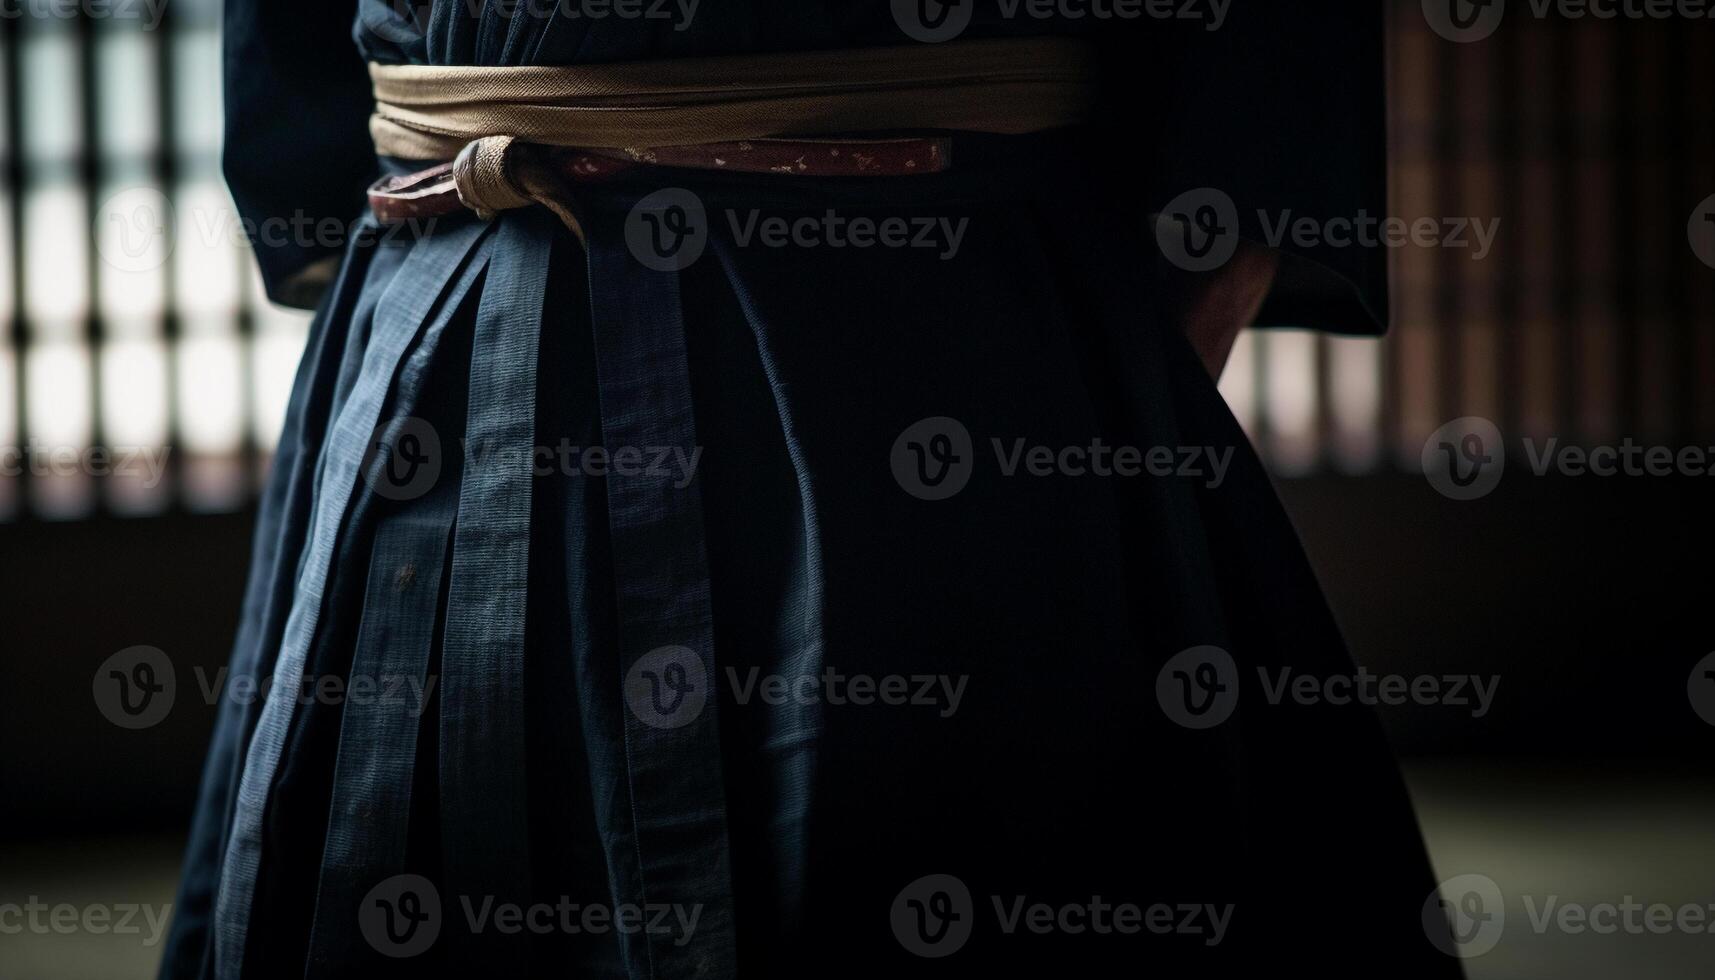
74, 594
1588, 598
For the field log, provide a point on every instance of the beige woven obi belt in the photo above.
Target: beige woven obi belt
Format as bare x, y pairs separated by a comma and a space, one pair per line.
515, 137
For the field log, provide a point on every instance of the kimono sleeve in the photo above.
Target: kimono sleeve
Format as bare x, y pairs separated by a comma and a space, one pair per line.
297, 153
1278, 112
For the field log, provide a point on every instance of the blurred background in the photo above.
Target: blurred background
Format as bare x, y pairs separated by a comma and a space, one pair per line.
143, 379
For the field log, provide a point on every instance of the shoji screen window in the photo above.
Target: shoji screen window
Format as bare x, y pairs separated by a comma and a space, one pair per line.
141, 370
58, 419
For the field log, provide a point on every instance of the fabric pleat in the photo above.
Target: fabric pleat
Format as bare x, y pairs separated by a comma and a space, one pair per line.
372, 786
485, 830
397, 325
662, 595
368, 831
793, 733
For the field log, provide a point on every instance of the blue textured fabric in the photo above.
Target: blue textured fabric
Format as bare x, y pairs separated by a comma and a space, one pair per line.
662, 596
484, 823
538, 775
592, 643
346, 450
378, 735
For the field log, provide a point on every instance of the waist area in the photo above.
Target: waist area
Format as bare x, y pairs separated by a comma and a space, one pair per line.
813, 127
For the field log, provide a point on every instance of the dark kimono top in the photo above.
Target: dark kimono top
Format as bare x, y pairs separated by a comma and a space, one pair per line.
546, 607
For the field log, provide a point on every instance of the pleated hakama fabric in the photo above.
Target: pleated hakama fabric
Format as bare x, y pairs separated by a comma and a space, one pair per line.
534, 495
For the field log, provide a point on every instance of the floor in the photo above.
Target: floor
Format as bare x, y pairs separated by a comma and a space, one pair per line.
1581, 842
1540, 836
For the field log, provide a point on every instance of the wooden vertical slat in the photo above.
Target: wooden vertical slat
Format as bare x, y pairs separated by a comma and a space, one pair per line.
1698, 182
12, 491
89, 171
1537, 232
1649, 266
1417, 141
1595, 231
166, 167
1471, 306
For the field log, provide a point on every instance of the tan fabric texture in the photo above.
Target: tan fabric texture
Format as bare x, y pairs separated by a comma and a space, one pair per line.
498, 173
1006, 86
